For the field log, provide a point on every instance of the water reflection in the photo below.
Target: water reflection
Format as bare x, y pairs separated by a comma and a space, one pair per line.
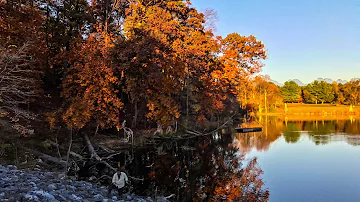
321, 132
312, 160
198, 169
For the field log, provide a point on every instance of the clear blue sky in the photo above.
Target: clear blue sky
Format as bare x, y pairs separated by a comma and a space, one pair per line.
305, 39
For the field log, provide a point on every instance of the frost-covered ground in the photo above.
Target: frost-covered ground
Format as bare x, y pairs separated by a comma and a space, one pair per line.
27, 185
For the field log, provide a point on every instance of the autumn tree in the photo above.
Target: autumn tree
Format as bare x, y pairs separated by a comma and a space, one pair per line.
151, 71
18, 84
263, 94
21, 59
241, 57
351, 92
156, 60
170, 60
91, 86
66, 22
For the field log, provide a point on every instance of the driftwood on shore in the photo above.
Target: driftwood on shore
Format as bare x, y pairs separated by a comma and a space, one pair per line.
45, 157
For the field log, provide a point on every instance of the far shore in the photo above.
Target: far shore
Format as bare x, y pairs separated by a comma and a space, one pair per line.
315, 112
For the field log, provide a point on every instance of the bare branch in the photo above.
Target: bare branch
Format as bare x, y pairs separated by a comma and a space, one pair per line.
18, 80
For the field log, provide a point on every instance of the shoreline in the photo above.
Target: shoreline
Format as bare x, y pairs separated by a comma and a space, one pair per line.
315, 111
35, 185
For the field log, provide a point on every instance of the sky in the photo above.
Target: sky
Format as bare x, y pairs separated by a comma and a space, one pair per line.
305, 39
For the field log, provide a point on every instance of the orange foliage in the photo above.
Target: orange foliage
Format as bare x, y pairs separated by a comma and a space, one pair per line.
157, 56
242, 185
90, 87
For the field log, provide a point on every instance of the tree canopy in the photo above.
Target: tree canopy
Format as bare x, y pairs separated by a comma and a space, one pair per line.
291, 91
154, 62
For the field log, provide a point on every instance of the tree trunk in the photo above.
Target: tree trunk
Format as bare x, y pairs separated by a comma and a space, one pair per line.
94, 154
69, 149
265, 97
187, 97
133, 124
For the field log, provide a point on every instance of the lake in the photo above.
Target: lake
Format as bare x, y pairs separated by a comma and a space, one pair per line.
307, 160
289, 161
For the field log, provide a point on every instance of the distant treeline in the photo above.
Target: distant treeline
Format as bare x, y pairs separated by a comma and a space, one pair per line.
264, 96
322, 92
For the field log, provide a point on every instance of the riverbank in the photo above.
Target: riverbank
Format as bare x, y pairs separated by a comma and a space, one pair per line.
36, 185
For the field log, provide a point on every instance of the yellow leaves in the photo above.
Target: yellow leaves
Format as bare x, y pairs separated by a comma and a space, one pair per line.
163, 109
51, 118
118, 127
151, 106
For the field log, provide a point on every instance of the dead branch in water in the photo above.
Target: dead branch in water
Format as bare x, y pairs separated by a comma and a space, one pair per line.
193, 133
102, 160
94, 154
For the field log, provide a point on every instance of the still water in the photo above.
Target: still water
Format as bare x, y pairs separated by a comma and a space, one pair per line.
290, 161
307, 160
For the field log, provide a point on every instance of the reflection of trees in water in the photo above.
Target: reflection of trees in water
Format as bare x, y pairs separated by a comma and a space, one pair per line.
320, 139
332, 127
320, 127
322, 132
272, 129
206, 169
292, 132
318, 130
355, 141
352, 127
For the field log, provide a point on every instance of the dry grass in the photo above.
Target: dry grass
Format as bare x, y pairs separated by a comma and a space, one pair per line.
322, 110
317, 118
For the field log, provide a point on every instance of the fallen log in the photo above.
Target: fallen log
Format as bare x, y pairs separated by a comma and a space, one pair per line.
45, 157
98, 158
93, 153
112, 155
106, 149
76, 155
